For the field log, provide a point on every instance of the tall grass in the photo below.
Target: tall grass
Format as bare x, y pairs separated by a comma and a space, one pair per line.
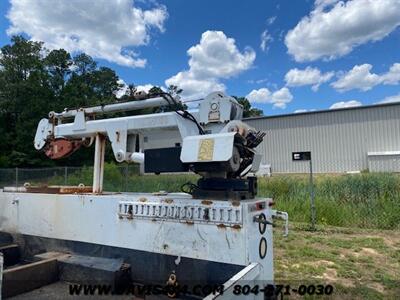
370, 200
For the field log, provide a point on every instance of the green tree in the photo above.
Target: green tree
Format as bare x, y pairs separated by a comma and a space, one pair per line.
90, 85
58, 64
155, 90
104, 83
34, 81
84, 64
174, 90
131, 90
248, 111
78, 90
24, 91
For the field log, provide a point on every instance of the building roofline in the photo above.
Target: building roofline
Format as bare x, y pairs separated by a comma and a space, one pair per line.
325, 111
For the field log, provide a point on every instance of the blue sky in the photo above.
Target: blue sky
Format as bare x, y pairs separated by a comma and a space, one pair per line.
315, 54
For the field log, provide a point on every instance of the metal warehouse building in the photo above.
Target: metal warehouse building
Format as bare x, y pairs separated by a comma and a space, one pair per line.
340, 140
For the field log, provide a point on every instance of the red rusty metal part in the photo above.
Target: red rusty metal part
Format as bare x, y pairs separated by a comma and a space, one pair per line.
60, 148
59, 189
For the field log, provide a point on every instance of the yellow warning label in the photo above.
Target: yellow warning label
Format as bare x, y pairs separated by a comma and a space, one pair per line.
206, 149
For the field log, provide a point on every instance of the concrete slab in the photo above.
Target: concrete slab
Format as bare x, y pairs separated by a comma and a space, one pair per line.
94, 270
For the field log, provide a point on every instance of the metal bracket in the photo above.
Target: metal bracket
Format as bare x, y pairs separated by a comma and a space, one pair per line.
284, 216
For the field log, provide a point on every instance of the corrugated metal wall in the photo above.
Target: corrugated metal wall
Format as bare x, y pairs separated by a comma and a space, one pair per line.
338, 139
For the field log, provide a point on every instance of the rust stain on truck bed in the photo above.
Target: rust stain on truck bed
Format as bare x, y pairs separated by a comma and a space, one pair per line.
59, 189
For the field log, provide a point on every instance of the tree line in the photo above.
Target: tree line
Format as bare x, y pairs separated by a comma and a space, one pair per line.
34, 81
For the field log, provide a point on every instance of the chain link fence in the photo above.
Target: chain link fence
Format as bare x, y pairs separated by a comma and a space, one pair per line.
116, 178
370, 200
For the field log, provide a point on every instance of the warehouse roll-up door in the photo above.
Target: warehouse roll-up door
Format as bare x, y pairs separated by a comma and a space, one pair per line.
386, 161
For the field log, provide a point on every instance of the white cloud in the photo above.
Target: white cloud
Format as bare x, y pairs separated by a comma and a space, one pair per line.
393, 76
266, 38
390, 99
103, 29
262, 95
194, 87
215, 57
279, 98
344, 104
301, 110
271, 20
361, 78
334, 28
145, 87
322, 4
122, 90
298, 111
258, 81
308, 76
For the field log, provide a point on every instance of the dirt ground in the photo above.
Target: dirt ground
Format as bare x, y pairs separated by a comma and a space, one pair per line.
359, 264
